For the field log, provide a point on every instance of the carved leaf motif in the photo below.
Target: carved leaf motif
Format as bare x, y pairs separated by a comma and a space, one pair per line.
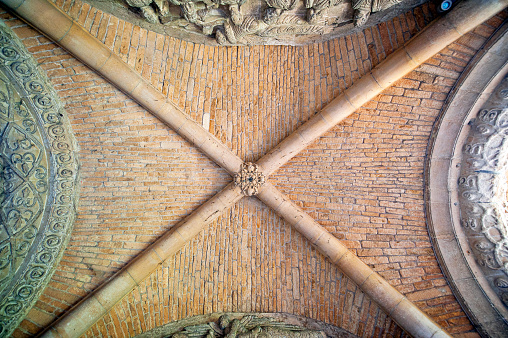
17, 140
249, 179
5, 258
471, 223
502, 121
484, 246
488, 260
488, 116
485, 129
502, 283
24, 162
474, 149
481, 185
469, 182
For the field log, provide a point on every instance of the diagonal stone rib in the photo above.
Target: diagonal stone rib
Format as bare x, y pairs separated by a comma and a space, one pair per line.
396, 305
58, 26
467, 15
98, 303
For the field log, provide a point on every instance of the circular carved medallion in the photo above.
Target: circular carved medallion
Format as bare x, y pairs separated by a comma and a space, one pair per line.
466, 188
38, 181
482, 190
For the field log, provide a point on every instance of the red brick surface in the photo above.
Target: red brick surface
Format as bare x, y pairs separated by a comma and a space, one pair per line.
363, 180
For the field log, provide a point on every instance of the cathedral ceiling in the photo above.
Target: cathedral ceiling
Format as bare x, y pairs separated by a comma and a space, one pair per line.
366, 193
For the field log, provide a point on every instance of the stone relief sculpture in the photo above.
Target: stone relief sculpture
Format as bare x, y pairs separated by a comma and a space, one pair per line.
363, 8
276, 8
234, 34
483, 190
242, 22
150, 9
315, 8
38, 181
234, 9
247, 327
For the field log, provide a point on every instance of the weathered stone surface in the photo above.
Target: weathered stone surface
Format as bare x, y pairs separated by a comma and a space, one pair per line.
482, 189
38, 181
255, 22
465, 184
244, 325
249, 179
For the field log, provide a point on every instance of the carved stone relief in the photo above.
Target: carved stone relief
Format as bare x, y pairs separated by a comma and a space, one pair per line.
253, 22
38, 180
249, 179
483, 187
246, 325
465, 188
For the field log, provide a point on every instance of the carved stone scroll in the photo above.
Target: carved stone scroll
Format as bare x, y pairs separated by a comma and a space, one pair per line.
249, 179
38, 181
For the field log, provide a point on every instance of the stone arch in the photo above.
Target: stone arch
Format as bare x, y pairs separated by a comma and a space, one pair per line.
465, 193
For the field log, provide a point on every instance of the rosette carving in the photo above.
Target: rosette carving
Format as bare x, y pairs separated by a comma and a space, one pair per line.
249, 179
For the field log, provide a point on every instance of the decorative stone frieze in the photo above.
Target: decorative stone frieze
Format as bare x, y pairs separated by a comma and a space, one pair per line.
244, 325
483, 187
247, 326
249, 179
254, 22
38, 181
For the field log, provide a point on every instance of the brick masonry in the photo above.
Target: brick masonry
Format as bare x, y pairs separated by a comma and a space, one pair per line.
363, 180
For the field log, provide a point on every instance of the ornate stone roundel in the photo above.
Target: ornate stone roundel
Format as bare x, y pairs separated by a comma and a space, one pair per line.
466, 187
38, 181
249, 179
482, 189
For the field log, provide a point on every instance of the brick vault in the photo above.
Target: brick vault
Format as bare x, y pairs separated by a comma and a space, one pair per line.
158, 214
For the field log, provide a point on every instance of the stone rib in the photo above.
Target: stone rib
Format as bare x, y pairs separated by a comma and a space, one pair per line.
57, 25
98, 303
71, 36
442, 32
396, 305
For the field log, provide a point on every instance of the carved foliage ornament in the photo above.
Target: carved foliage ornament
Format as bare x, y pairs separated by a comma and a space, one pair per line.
249, 179
483, 190
257, 21
38, 176
247, 327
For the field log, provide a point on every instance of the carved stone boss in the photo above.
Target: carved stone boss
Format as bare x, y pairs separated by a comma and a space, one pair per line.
483, 190
249, 179
38, 178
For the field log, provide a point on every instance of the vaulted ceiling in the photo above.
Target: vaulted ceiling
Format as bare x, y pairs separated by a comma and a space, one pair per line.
362, 181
